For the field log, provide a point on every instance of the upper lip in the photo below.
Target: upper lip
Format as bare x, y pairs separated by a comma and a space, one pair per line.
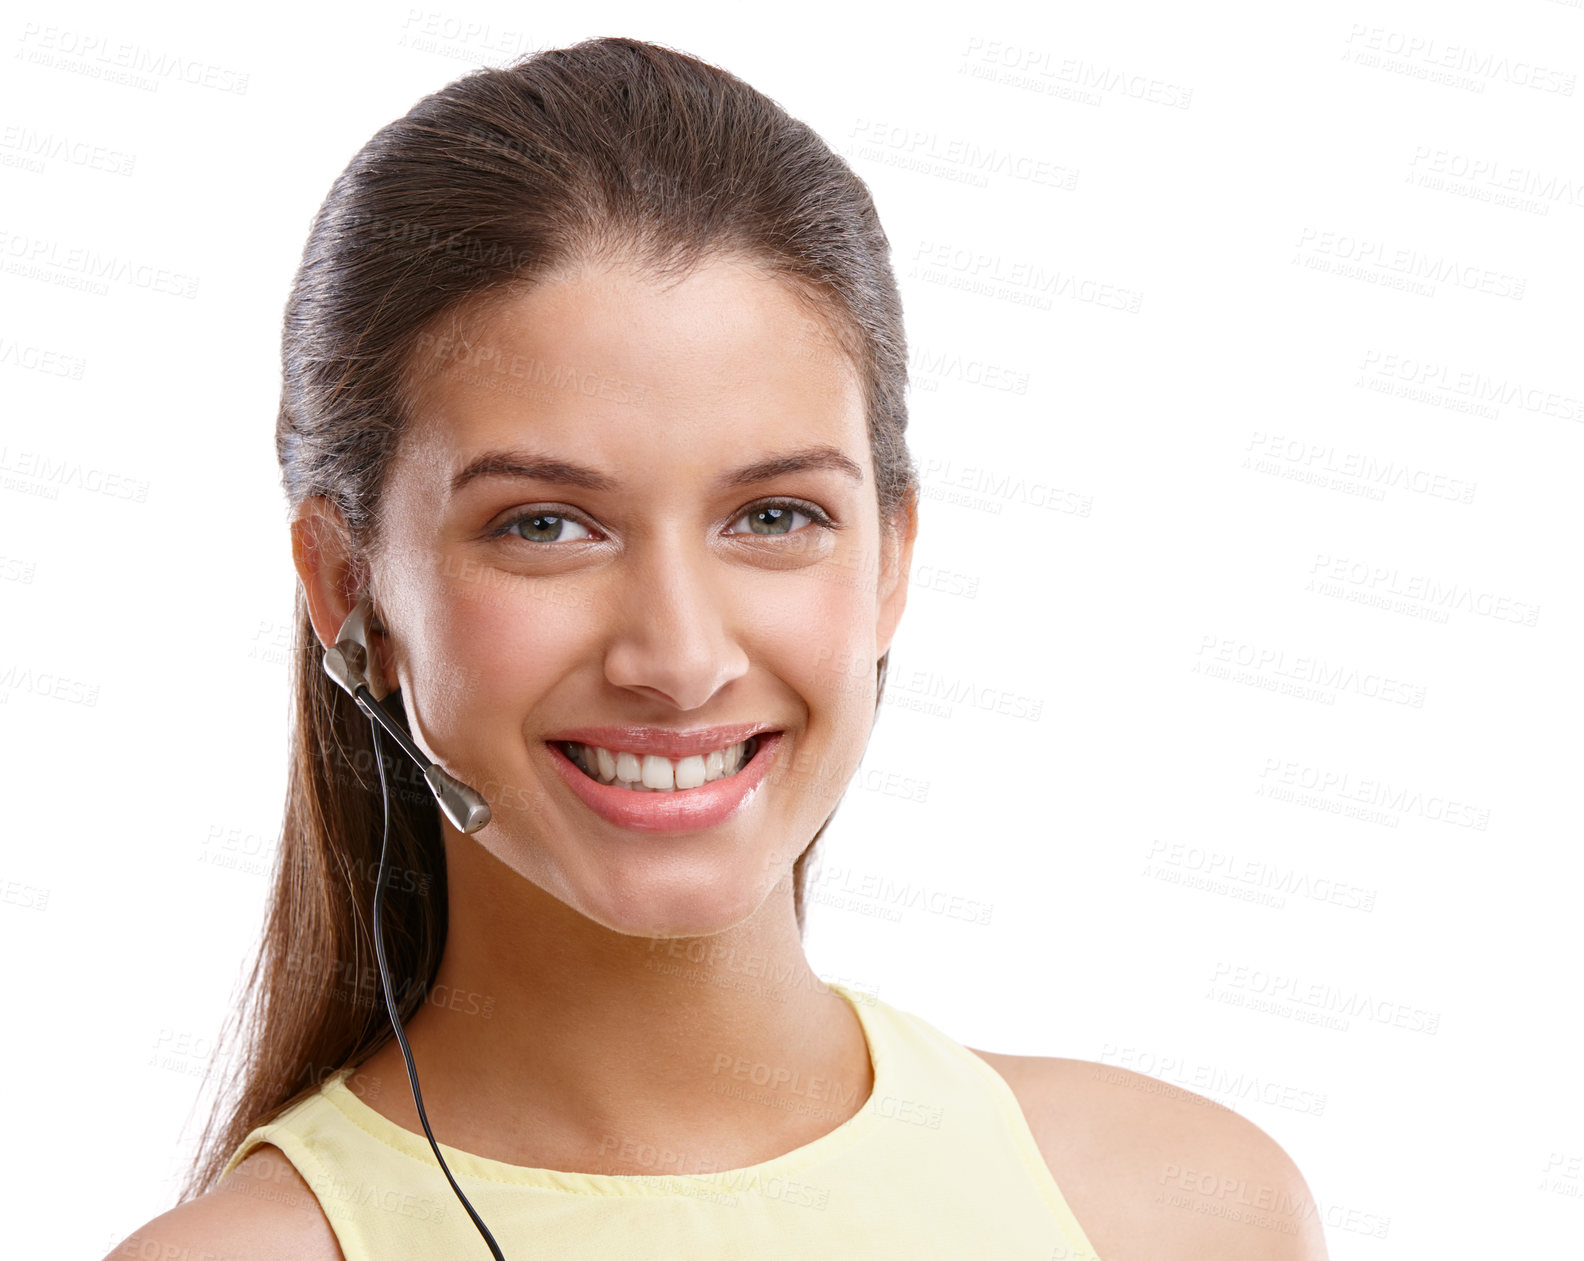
663, 741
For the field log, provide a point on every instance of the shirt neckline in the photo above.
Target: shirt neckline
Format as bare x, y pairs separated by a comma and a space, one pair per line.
745, 1178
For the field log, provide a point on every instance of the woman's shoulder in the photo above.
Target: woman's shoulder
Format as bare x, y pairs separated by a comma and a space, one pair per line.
1153, 1171
261, 1211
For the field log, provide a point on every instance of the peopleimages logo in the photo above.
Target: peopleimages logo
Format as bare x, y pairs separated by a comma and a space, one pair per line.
1027, 281
1434, 378
1331, 1000
1426, 53
1267, 876
1175, 1070
1280, 454
1319, 672
118, 61
1408, 263
1342, 784
41, 258
1495, 176
1330, 575
1020, 65
929, 151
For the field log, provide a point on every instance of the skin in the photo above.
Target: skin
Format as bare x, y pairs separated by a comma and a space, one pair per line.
658, 603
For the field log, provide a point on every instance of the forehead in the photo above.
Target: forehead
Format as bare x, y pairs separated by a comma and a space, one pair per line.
621, 363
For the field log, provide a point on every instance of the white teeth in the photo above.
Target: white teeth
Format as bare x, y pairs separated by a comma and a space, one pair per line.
690, 772
651, 773
658, 772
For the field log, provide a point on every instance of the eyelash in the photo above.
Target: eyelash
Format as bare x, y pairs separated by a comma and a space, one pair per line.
815, 516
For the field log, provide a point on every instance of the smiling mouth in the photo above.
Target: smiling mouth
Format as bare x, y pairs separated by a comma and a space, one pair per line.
650, 773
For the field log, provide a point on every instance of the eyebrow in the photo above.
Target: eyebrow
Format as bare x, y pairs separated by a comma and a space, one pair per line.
517, 463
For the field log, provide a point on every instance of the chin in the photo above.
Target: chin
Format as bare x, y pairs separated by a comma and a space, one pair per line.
692, 911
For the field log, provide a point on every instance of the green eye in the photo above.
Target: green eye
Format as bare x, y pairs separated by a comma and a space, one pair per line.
777, 517
542, 527
772, 520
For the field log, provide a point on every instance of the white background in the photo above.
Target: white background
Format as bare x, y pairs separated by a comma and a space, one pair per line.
1288, 468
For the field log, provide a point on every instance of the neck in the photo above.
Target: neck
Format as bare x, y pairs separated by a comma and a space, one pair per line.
548, 1040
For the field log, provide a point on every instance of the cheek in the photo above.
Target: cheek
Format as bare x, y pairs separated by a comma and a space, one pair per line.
488, 650
837, 609
825, 653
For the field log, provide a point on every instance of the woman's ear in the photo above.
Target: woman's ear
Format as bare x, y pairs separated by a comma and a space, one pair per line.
327, 565
335, 575
896, 545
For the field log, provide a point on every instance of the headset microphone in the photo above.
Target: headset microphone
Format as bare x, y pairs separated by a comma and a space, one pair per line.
347, 664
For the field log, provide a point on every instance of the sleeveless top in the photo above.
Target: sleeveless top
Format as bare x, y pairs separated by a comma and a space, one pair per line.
938, 1163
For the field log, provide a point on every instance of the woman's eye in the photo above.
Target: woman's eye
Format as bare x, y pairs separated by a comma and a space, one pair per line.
772, 519
767, 520
544, 527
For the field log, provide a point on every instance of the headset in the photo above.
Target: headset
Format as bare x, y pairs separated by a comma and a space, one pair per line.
347, 663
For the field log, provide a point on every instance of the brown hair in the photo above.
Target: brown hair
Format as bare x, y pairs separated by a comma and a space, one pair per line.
612, 148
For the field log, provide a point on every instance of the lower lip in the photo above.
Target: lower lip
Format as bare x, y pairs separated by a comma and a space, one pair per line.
685, 809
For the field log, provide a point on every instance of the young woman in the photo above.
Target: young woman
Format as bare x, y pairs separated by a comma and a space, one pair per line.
593, 419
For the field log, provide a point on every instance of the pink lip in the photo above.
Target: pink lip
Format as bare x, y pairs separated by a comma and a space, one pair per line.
660, 741
686, 809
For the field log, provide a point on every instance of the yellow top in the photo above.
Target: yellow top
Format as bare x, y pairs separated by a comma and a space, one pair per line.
938, 1163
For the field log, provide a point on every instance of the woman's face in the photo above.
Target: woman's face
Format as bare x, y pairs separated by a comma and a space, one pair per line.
651, 510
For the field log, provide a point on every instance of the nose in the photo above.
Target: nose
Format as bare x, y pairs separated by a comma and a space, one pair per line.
676, 634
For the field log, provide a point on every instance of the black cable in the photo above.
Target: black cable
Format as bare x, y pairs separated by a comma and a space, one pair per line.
390, 1003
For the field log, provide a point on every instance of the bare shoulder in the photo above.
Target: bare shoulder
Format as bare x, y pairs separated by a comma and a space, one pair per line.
261, 1211
1156, 1173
